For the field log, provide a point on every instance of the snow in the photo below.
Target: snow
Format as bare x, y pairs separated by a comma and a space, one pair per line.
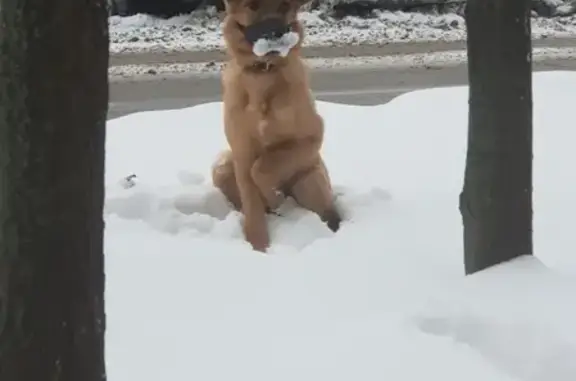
566, 9
526, 331
282, 45
383, 298
419, 60
201, 30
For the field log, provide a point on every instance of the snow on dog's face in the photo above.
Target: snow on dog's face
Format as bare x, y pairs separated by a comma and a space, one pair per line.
282, 45
270, 27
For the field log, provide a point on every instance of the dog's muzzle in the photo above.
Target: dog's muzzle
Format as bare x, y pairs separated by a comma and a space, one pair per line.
266, 29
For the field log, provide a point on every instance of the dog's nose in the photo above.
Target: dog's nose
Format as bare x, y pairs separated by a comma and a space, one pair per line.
278, 33
269, 29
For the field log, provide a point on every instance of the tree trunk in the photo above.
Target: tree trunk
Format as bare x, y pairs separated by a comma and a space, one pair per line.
53, 104
496, 201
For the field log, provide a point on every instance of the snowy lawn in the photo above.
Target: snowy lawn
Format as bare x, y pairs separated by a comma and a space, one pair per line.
201, 30
383, 299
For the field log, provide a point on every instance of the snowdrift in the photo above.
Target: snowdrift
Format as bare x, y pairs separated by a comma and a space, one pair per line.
384, 298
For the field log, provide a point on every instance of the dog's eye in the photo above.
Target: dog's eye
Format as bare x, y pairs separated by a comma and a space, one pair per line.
253, 5
284, 7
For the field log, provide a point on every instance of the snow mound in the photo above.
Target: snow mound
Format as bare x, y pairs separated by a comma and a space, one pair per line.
517, 315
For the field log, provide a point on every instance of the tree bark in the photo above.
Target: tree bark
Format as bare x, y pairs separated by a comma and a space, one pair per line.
53, 105
496, 201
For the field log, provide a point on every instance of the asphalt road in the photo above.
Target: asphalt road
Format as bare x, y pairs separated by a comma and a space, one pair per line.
361, 86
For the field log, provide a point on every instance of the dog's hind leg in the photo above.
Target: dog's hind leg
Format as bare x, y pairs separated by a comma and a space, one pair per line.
278, 165
223, 178
313, 191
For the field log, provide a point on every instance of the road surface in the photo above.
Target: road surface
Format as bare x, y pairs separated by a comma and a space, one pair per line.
361, 86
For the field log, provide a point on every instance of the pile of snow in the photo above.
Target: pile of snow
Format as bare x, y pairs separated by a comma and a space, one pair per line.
557, 7
200, 30
517, 316
383, 299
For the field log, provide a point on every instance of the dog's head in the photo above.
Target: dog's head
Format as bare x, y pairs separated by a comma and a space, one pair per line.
249, 22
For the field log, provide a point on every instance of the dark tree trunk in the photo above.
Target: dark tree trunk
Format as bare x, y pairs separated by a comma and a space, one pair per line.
53, 104
496, 201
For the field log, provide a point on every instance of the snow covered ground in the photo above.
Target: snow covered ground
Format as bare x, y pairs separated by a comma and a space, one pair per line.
201, 30
383, 299
419, 60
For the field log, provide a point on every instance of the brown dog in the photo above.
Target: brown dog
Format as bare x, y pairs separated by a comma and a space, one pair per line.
271, 123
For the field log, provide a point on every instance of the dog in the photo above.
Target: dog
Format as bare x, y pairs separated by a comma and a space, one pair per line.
270, 120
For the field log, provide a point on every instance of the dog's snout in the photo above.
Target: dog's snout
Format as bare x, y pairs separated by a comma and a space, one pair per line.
270, 29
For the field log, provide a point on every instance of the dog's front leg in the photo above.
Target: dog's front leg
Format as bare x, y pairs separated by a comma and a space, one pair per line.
253, 207
275, 168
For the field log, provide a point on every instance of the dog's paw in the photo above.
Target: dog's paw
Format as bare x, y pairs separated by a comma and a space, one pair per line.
256, 234
259, 243
333, 219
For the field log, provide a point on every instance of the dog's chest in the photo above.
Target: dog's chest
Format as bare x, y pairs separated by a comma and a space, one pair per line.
277, 125
273, 113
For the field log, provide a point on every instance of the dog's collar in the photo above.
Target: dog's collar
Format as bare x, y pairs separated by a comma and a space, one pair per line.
261, 67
